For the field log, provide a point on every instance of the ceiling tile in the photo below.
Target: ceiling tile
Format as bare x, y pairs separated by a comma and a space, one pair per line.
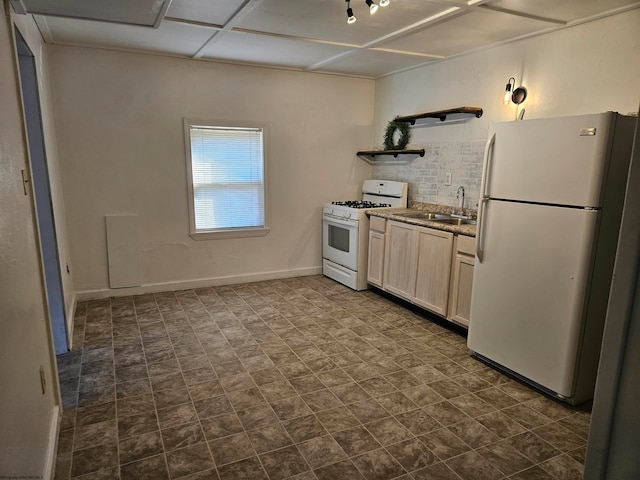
140, 12
327, 20
469, 30
269, 50
566, 10
171, 37
215, 13
373, 63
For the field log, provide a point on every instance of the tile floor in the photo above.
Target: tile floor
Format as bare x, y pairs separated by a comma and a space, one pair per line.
298, 378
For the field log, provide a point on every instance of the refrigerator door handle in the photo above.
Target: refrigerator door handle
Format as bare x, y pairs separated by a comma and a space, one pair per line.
483, 194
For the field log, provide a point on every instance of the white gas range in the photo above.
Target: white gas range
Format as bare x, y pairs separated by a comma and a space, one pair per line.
345, 230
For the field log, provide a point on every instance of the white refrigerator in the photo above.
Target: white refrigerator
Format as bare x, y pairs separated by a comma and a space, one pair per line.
550, 205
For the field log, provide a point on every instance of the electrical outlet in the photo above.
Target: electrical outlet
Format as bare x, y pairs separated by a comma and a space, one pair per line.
447, 177
43, 381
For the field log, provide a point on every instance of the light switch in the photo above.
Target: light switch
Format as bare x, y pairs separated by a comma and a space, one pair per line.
447, 180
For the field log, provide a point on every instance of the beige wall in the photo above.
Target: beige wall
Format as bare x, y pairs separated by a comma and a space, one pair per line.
29, 418
589, 68
120, 135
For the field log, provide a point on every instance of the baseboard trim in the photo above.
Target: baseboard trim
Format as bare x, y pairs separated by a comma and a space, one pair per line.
198, 283
54, 430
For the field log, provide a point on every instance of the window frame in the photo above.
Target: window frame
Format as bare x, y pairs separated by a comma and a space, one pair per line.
230, 232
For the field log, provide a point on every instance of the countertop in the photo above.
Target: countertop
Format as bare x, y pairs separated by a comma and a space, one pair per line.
397, 215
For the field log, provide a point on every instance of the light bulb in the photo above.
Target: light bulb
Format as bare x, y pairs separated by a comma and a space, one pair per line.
373, 8
507, 97
384, 3
507, 90
351, 19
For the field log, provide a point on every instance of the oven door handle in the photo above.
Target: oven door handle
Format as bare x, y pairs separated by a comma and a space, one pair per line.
346, 223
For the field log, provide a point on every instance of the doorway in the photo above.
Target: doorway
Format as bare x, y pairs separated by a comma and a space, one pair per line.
42, 192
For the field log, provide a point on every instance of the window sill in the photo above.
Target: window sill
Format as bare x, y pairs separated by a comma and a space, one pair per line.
230, 233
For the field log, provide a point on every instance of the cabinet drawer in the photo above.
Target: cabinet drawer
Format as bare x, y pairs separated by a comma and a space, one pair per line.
378, 224
466, 245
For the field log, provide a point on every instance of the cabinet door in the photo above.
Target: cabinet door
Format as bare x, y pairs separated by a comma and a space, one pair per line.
399, 259
434, 250
461, 285
376, 258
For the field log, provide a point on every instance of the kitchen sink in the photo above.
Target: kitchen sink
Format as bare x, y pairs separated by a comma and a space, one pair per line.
427, 216
440, 218
456, 221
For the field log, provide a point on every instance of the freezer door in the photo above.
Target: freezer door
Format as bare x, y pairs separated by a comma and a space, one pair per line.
528, 300
558, 161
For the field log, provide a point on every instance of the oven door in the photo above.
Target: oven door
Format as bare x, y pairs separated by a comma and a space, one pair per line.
340, 241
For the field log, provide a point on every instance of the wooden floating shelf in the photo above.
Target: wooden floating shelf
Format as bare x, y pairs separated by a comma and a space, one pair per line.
370, 155
450, 115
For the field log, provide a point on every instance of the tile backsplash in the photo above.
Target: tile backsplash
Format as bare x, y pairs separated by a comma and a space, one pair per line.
427, 175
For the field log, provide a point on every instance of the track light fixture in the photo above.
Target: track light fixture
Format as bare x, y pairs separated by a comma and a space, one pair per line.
350, 17
373, 8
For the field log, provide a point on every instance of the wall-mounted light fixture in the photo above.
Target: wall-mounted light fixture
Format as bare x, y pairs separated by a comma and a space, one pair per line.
516, 95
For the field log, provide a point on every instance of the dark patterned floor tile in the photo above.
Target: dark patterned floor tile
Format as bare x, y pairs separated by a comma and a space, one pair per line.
444, 443
269, 438
505, 458
321, 451
471, 466
321, 400
257, 417
341, 470
418, 422
94, 458
388, 431
304, 428
182, 436
501, 424
533, 447
378, 465
437, 471
445, 413
291, 407
412, 454
178, 415
151, 468
140, 446
189, 460
284, 463
232, 448
356, 441
247, 469
368, 410
560, 437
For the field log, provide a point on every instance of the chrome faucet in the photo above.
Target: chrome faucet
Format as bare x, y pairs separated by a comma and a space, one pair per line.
461, 198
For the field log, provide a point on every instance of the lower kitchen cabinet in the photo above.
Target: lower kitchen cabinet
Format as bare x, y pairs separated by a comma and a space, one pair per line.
375, 265
434, 250
430, 268
462, 280
399, 259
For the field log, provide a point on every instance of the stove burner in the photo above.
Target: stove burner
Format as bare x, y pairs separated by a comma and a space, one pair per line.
361, 204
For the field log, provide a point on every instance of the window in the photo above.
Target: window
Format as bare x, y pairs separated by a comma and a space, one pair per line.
225, 167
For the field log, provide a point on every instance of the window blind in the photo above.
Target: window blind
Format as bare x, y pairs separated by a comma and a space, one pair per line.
227, 166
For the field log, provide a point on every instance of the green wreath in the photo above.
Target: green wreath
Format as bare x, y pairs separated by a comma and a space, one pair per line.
405, 135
